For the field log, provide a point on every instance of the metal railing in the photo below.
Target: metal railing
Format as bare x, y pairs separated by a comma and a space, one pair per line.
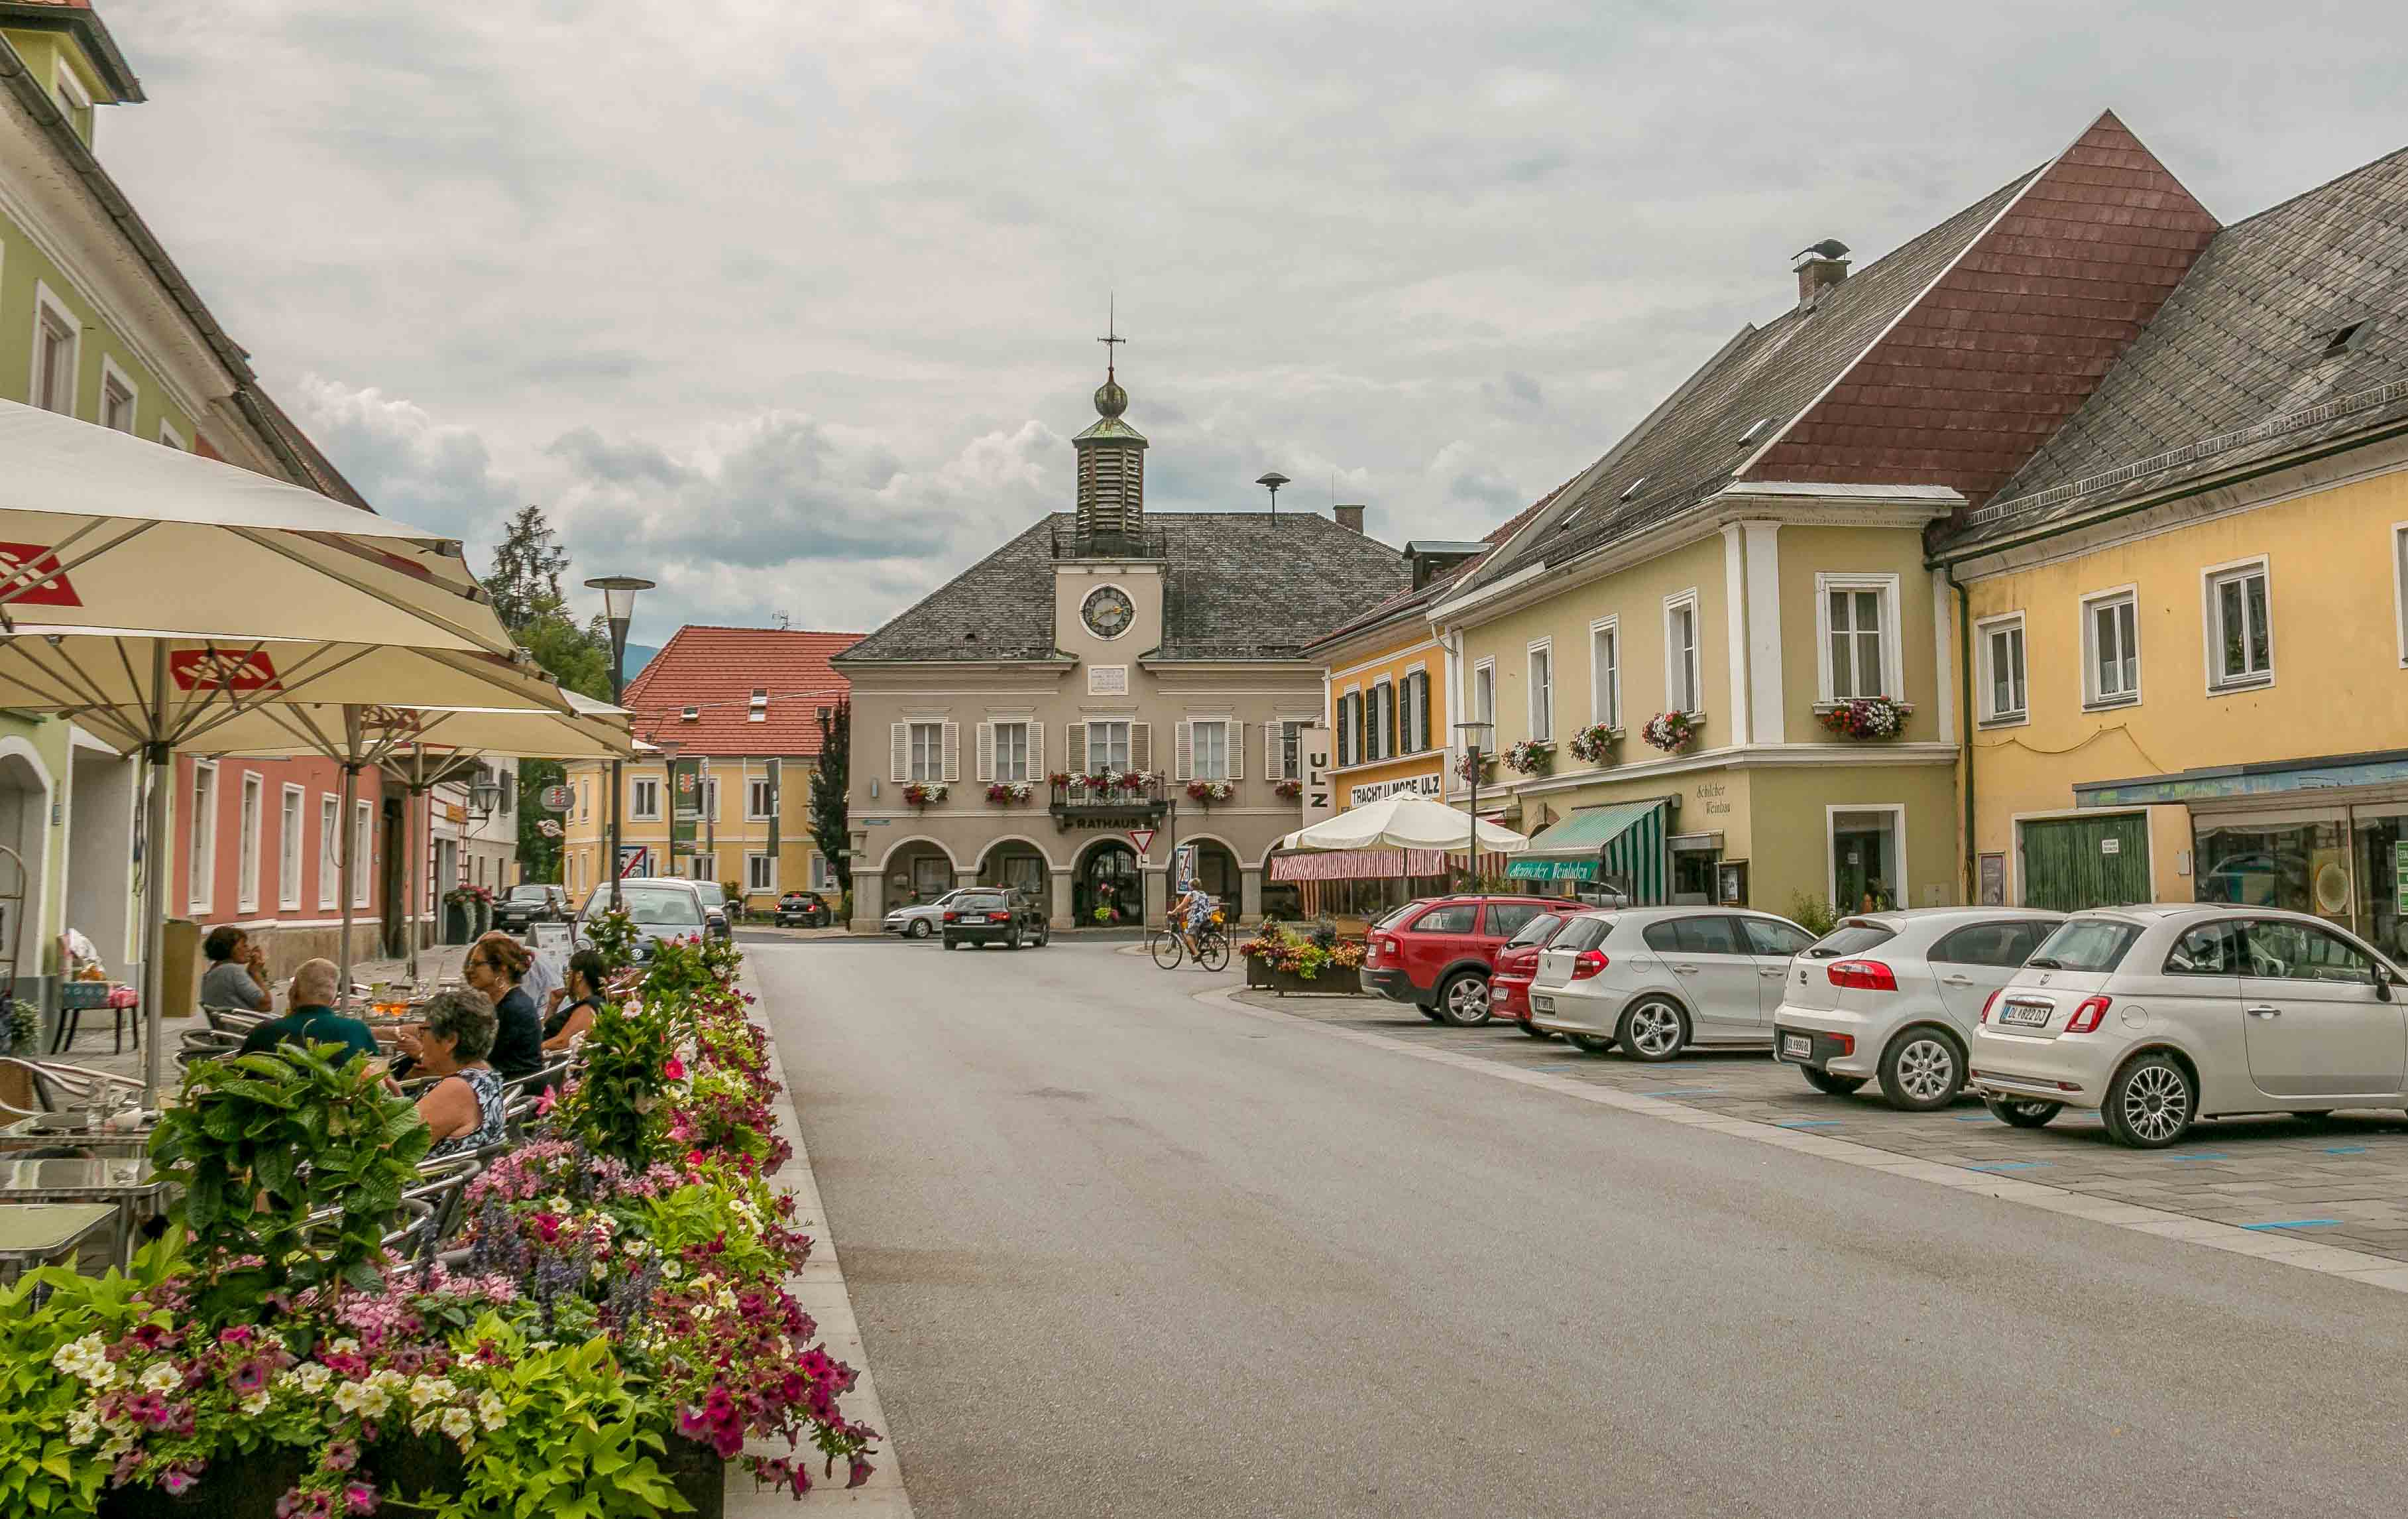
1076, 796
1070, 543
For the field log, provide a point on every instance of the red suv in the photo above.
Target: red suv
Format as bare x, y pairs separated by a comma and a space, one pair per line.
1517, 965
1437, 954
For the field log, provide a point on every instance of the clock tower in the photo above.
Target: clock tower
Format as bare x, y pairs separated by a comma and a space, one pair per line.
1108, 575
1112, 465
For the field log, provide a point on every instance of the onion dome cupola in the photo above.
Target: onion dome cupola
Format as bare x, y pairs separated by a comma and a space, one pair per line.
1111, 466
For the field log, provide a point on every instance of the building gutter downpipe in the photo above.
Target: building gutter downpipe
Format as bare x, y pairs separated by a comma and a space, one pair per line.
1965, 711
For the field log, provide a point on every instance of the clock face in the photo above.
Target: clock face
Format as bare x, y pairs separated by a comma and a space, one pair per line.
1108, 612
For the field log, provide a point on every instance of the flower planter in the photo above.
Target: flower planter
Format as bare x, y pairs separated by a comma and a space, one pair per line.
1331, 978
231, 1487
700, 1477
429, 1464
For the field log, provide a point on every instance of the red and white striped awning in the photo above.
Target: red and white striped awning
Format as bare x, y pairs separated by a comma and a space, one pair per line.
1373, 865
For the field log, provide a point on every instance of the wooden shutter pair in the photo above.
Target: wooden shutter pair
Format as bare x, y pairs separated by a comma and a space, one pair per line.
986, 765
899, 765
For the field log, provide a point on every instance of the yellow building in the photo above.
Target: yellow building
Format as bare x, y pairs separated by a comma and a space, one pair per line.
1387, 686
2187, 616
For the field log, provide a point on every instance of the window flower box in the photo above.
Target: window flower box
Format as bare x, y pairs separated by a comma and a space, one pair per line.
1289, 790
1010, 793
1531, 757
1463, 766
1209, 792
1672, 732
1864, 718
1595, 745
924, 793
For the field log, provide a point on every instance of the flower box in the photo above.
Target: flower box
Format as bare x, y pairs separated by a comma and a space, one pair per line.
1531, 757
1595, 745
1331, 978
1672, 732
1864, 718
696, 1470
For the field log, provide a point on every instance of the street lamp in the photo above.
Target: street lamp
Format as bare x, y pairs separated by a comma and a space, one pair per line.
1476, 737
1271, 480
619, 610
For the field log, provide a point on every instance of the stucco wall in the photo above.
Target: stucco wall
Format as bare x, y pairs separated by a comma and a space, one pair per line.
1809, 552
1411, 650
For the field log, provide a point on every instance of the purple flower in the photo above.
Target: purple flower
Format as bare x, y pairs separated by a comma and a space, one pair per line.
175, 1480
342, 1455
360, 1498
253, 1374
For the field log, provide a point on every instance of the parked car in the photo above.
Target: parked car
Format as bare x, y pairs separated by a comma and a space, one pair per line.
1509, 983
529, 904
920, 921
803, 909
1437, 953
662, 907
993, 916
2161, 1016
1658, 980
1896, 996
714, 908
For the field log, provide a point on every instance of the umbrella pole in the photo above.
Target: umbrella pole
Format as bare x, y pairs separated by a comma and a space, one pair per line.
157, 859
351, 865
416, 799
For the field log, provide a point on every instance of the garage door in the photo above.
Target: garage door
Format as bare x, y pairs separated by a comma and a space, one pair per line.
2070, 863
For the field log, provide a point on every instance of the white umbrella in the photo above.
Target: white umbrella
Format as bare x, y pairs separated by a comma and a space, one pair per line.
1403, 823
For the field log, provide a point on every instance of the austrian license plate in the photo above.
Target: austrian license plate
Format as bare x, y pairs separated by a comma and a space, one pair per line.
2025, 1014
1542, 1005
1797, 1047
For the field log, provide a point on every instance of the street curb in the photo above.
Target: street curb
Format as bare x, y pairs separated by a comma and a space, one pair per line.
2325, 1260
820, 1288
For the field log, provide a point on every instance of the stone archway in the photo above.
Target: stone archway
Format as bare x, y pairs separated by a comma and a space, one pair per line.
1107, 875
1217, 870
1020, 865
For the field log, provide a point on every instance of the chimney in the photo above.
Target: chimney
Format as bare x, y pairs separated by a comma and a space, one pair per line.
1349, 518
1820, 267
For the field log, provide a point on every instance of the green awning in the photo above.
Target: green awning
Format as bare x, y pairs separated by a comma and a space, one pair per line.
1618, 846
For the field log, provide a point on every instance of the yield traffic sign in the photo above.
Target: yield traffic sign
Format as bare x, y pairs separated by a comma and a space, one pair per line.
1143, 839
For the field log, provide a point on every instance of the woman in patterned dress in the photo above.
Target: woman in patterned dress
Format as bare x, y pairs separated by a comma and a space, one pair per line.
463, 1106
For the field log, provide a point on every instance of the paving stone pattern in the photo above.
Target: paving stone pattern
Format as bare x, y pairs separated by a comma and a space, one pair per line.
2341, 1182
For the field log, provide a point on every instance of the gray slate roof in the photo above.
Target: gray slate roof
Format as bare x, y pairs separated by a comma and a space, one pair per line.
1689, 447
2239, 345
1242, 586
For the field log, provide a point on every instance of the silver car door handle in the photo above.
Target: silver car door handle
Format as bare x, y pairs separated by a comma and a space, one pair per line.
1686, 970
1771, 976
2265, 1012
1956, 980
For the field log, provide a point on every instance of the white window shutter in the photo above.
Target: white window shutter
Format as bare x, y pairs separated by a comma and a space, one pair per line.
986, 751
1237, 750
901, 770
1272, 752
1076, 761
1141, 746
1036, 751
953, 751
1182, 765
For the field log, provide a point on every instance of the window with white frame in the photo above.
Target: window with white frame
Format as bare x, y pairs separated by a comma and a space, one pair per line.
1289, 764
1380, 720
1605, 672
822, 880
55, 340
759, 802
254, 821
1859, 643
1209, 750
2111, 648
288, 848
760, 873
1998, 642
2400, 586
2240, 634
169, 436
711, 798
1542, 691
1413, 714
1010, 751
330, 844
927, 752
1108, 747
1484, 691
644, 799
1681, 691
116, 399
205, 835
362, 853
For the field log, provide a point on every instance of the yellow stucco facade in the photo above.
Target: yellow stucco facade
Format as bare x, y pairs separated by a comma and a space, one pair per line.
1390, 659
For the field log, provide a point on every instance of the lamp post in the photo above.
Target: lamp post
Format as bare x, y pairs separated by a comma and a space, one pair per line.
1476, 735
619, 610
1271, 480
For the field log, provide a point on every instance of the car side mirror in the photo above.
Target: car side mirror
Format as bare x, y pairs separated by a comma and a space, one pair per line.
2383, 986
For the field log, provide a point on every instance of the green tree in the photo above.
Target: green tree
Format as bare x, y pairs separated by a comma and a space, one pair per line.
831, 778
524, 584
527, 565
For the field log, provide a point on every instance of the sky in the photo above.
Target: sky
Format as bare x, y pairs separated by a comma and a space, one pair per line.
792, 308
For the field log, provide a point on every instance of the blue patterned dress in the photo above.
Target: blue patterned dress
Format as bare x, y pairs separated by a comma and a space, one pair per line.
488, 1088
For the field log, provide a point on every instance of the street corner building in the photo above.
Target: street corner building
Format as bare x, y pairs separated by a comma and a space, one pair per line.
733, 720
1727, 635
1107, 671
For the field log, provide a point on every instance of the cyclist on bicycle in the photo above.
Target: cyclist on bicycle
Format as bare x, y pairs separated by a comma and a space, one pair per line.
1196, 911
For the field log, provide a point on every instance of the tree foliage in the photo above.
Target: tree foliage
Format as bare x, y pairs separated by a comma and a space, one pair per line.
525, 588
831, 779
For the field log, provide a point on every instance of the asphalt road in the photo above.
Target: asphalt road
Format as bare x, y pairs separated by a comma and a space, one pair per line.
1117, 1252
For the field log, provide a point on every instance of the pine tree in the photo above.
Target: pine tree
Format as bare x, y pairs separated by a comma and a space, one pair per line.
831, 779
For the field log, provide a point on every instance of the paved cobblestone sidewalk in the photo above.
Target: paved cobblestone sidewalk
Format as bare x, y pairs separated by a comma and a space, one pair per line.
2340, 1181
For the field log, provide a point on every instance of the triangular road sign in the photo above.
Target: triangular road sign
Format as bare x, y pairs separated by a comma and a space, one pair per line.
1143, 838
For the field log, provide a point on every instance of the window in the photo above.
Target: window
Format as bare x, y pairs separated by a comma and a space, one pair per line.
1210, 748
1853, 937
1380, 722
1108, 747
170, 437
1858, 625
927, 753
1986, 944
822, 880
288, 849
1542, 693
1011, 762
1766, 937
54, 358
2110, 650
2086, 944
1413, 731
1583, 934
116, 399
2400, 586
362, 853
1539, 930
1509, 918
1605, 673
329, 845
710, 797
1682, 692
205, 835
1290, 763
2208, 949
2001, 648
644, 799
760, 873
760, 798
2299, 952
1483, 692
2240, 640
1709, 936
1344, 717
1454, 917
254, 820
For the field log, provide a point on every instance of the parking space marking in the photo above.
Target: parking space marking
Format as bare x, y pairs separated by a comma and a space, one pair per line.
2297, 1224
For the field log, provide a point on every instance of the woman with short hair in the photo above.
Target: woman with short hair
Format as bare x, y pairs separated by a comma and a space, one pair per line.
464, 1106
238, 973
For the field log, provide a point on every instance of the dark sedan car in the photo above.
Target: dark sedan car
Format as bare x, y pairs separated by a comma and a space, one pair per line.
803, 909
1008, 919
527, 905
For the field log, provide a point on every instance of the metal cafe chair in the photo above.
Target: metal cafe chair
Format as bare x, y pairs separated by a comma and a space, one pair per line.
234, 1020
63, 1088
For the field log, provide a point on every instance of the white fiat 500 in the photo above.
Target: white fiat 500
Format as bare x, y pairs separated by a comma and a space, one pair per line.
2160, 1016
1895, 996
1658, 980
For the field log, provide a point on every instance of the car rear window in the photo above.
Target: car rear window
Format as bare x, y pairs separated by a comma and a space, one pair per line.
1583, 934
2086, 944
1508, 918
1537, 930
1398, 915
1453, 918
1850, 938
980, 905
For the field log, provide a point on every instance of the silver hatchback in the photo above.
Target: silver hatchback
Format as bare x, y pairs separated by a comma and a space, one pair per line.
1658, 980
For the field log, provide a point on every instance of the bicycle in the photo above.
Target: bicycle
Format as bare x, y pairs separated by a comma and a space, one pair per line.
1212, 949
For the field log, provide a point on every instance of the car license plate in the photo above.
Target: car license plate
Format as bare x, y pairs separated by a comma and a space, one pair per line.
2025, 1014
1797, 1047
1542, 1005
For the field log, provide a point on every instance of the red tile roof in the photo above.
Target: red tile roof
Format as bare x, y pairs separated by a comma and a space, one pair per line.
716, 671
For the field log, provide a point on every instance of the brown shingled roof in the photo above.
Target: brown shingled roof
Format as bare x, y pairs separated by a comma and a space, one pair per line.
716, 671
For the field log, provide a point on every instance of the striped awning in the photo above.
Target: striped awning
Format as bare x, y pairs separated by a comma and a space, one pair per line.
1621, 847
1365, 864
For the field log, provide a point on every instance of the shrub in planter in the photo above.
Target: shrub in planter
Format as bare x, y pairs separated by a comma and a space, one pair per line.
1010, 793
1209, 792
1594, 744
1669, 731
1531, 757
1288, 790
924, 793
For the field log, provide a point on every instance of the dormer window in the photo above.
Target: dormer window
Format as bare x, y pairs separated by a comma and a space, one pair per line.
1632, 489
2343, 339
1755, 430
691, 715
758, 711
74, 101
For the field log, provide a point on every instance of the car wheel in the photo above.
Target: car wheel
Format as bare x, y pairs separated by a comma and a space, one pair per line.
1589, 1044
951, 942
2150, 1104
1044, 935
1922, 1070
1825, 1082
2023, 1112
919, 929
1534, 1032
1653, 1029
1463, 1002
1011, 940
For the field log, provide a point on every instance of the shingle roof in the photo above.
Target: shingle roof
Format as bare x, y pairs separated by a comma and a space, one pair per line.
2242, 344
716, 671
1240, 585
1410, 598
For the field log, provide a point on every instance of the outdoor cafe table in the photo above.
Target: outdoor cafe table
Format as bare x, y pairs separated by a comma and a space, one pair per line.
30, 1134
36, 1233
128, 1185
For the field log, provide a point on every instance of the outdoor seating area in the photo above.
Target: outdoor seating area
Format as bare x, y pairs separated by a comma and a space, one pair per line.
266, 1293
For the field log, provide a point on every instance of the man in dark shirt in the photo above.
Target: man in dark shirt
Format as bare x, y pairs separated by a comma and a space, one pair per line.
312, 1019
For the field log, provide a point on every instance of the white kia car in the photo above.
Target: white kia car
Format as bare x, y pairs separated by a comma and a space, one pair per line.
1658, 980
2161, 1016
1896, 996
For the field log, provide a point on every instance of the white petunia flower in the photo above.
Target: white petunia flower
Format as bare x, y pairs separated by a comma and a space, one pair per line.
162, 1378
490, 1412
83, 1428
256, 1404
457, 1422
313, 1376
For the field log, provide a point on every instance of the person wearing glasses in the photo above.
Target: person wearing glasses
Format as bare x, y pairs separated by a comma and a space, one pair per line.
495, 966
463, 1106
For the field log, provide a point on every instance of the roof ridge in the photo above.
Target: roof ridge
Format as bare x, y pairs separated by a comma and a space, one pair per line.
2289, 201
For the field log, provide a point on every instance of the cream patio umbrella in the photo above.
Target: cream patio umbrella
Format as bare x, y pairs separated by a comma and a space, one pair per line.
1402, 822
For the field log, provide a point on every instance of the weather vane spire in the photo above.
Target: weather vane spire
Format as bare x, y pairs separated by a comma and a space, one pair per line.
1112, 331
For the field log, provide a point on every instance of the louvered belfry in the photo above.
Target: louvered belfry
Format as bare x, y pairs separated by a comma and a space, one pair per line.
1111, 471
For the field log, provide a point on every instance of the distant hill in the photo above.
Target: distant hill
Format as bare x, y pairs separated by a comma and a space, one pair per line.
638, 656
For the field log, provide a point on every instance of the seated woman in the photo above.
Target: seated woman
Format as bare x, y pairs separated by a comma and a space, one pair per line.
463, 1106
575, 1017
495, 965
238, 973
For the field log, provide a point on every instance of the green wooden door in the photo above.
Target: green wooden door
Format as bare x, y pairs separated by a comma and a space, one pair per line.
2070, 863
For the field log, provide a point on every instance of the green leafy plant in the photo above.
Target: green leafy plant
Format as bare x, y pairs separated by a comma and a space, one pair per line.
263, 1141
573, 1441
613, 935
43, 1468
1813, 913
616, 1105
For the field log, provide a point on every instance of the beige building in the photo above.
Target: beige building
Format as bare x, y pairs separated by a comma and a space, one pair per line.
1106, 672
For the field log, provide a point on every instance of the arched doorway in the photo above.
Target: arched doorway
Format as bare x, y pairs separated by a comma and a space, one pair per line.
916, 871
1018, 865
1108, 877
1217, 871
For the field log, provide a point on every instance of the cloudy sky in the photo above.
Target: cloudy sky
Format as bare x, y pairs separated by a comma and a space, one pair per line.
791, 306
